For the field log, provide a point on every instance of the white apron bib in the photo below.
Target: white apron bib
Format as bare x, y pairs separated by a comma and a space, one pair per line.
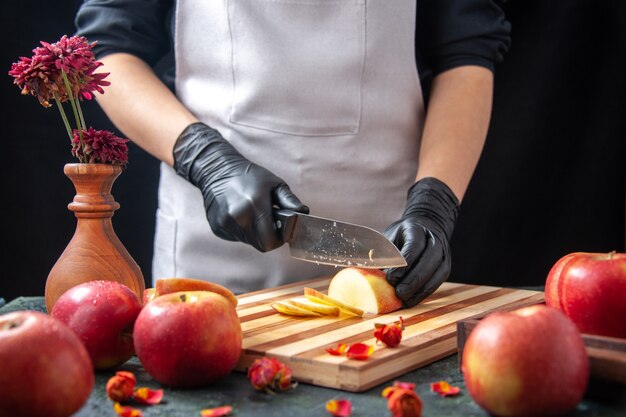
324, 93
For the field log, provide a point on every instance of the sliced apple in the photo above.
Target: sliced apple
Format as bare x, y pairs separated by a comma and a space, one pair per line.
305, 303
365, 289
149, 294
319, 297
170, 285
292, 310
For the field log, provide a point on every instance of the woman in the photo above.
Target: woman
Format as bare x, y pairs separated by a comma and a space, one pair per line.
290, 102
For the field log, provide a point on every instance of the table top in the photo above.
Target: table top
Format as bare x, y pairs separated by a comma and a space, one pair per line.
602, 399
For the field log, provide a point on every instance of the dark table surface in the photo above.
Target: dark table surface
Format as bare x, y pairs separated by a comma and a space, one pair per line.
603, 399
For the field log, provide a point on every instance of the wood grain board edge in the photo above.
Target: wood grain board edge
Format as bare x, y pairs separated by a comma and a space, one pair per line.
607, 355
348, 378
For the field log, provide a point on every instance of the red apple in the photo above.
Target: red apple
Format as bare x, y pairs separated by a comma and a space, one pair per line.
188, 339
590, 288
524, 363
102, 314
45, 369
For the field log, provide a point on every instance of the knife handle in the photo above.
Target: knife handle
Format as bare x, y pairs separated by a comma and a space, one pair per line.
285, 222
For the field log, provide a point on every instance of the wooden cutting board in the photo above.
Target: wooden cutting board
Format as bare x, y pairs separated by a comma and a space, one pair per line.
300, 343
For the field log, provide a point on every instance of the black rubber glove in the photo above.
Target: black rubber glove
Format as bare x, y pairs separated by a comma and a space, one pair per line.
238, 195
423, 234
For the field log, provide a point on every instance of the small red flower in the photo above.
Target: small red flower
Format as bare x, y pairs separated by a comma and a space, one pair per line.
359, 351
339, 408
389, 334
225, 410
262, 372
99, 146
402, 400
282, 380
270, 375
444, 389
120, 387
148, 396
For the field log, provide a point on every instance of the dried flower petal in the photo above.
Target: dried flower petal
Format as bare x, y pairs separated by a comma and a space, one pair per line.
389, 334
148, 396
126, 411
339, 408
397, 384
120, 387
339, 350
444, 389
405, 385
99, 146
270, 375
217, 412
359, 351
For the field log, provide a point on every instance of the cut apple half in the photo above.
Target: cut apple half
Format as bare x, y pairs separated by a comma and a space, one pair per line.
305, 303
292, 310
319, 297
365, 289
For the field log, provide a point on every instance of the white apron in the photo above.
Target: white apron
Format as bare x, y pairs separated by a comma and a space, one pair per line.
324, 93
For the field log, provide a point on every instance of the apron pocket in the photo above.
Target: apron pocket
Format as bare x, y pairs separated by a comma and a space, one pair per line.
297, 65
164, 258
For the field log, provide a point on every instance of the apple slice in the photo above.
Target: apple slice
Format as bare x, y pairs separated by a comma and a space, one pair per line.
321, 298
366, 289
307, 304
149, 294
292, 310
170, 285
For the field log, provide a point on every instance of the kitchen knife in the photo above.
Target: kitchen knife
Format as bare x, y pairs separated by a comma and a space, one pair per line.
331, 242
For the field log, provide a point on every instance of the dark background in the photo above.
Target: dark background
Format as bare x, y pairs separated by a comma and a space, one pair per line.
551, 180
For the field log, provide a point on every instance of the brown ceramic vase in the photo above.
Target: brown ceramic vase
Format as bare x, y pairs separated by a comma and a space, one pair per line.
95, 252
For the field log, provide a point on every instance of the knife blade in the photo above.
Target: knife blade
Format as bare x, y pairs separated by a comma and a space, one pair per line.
332, 242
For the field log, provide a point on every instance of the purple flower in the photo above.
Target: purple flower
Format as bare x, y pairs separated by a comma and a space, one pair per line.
65, 71
42, 75
99, 147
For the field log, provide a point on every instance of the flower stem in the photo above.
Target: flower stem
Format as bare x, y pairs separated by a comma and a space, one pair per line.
80, 114
64, 117
70, 95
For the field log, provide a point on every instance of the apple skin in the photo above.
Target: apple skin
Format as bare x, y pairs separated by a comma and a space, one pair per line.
590, 288
366, 289
527, 362
188, 339
46, 370
102, 314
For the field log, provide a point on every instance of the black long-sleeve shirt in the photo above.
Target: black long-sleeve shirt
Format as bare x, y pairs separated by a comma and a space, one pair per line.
449, 33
